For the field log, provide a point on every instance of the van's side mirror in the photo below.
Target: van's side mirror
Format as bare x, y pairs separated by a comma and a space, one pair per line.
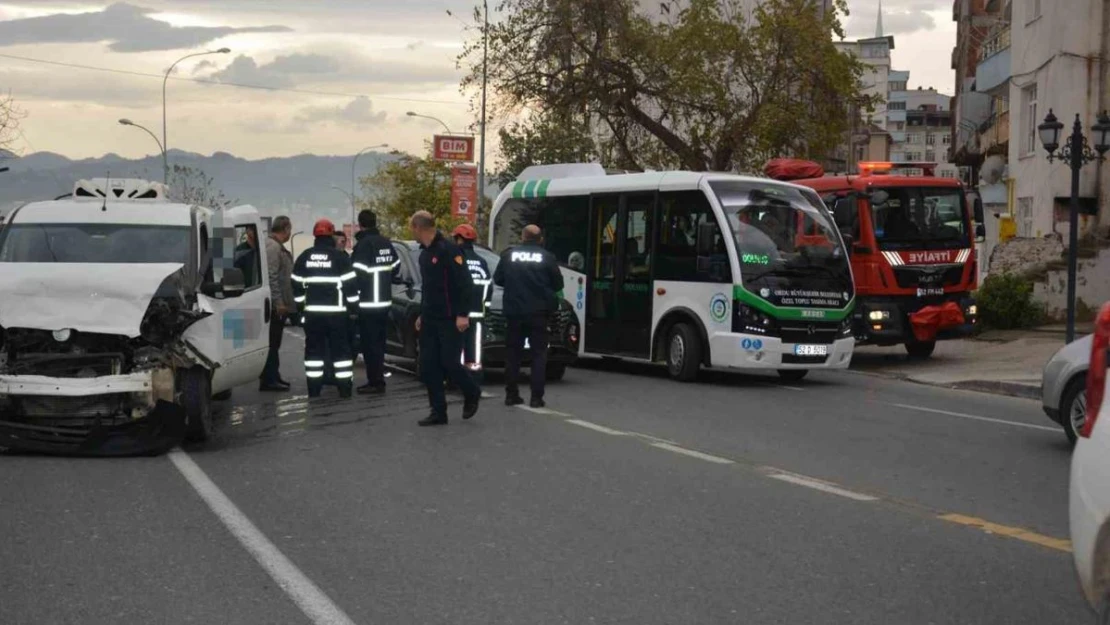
844, 213
707, 237
978, 208
980, 233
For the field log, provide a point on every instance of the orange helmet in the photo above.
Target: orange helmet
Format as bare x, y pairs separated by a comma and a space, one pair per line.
323, 228
466, 231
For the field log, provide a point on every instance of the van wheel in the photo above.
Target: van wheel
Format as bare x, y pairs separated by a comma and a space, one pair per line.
684, 351
224, 396
920, 350
196, 397
793, 375
555, 371
1073, 408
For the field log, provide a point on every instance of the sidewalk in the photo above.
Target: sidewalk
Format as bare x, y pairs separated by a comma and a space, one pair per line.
1001, 362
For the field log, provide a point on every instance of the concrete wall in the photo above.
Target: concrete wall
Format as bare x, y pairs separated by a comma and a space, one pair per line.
1019, 255
1092, 286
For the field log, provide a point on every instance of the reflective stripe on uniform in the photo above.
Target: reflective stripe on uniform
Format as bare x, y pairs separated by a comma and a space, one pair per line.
323, 308
482, 282
348, 276
300, 298
367, 269
352, 299
318, 279
314, 374
477, 315
344, 375
374, 305
343, 364
313, 363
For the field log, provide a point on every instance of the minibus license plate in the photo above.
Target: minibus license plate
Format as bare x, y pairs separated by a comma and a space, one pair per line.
811, 350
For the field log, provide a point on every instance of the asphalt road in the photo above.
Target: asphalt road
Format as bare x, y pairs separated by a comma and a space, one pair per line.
633, 499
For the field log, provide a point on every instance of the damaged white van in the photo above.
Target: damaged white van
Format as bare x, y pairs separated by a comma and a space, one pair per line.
122, 314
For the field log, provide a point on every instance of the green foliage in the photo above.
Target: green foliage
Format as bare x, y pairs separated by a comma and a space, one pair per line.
698, 86
1006, 303
405, 185
547, 138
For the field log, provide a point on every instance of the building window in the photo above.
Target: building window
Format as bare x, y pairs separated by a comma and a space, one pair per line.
930, 139
896, 106
945, 139
913, 139
897, 86
913, 156
1029, 103
899, 125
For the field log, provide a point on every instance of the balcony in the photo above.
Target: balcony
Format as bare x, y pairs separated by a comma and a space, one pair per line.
898, 136
895, 116
993, 71
995, 132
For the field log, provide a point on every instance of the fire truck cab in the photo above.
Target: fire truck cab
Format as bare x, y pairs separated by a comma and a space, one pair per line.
911, 240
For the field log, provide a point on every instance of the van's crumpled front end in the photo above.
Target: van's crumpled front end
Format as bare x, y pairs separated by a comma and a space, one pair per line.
101, 378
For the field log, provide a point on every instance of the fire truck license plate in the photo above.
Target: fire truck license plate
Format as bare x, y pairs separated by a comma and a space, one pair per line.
930, 291
811, 350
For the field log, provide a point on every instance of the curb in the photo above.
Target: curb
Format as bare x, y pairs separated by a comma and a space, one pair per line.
992, 387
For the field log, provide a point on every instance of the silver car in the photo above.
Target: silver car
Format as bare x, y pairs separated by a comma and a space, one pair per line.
1063, 386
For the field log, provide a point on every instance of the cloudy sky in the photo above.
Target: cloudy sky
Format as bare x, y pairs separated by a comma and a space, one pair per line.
344, 72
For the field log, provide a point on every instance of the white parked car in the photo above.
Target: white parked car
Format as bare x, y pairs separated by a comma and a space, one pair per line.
1090, 480
122, 314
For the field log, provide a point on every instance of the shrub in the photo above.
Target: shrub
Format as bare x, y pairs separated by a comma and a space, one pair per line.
1006, 303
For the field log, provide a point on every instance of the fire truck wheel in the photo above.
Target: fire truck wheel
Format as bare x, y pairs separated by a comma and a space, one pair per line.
920, 350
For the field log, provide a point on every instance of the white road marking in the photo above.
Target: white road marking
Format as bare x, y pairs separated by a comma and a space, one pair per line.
816, 484
545, 411
309, 598
595, 427
693, 454
978, 418
294, 335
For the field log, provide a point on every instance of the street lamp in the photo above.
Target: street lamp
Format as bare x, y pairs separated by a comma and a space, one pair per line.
353, 162
1077, 153
165, 168
434, 119
165, 79
482, 129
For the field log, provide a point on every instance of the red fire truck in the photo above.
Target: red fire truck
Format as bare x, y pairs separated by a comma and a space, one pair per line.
911, 237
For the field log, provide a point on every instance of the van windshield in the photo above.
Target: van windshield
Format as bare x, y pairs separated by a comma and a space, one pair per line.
94, 243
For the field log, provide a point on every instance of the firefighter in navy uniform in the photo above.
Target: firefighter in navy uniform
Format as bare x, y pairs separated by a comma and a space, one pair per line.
531, 279
465, 236
444, 316
325, 289
377, 265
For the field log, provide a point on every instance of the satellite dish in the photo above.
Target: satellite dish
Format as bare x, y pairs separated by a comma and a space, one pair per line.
992, 170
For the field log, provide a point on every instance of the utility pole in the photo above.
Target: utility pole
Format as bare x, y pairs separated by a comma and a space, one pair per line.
482, 136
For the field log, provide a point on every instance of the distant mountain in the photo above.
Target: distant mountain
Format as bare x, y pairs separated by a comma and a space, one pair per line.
274, 185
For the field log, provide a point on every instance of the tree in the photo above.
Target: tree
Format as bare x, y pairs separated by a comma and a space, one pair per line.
405, 185
190, 185
699, 87
547, 138
10, 117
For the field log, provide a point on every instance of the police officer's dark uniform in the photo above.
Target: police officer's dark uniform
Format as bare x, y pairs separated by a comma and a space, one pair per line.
445, 297
531, 278
480, 298
325, 290
376, 263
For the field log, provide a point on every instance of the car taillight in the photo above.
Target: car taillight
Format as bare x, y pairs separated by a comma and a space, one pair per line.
1096, 373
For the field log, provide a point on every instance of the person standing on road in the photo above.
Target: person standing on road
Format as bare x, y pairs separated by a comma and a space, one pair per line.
325, 290
465, 235
279, 263
376, 262
532, 280
444, 316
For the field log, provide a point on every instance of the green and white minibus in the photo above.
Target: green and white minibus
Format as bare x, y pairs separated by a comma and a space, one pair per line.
691, 269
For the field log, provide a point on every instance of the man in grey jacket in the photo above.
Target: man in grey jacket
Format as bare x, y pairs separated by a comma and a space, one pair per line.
279, 262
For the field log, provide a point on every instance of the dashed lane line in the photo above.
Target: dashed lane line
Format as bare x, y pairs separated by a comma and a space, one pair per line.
825, 486
972, 417
315, 604
815, 484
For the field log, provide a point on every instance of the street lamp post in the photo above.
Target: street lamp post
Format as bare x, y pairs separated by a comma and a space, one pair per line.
165, 166
1076, 153
165, 79
353, 162
482, 140
434, 119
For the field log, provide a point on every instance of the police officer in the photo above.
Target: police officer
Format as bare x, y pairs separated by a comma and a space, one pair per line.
444, 316
465, 236
376, 263
325, 290
531, 278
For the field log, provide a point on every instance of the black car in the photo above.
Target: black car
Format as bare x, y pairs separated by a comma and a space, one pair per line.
563, 330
